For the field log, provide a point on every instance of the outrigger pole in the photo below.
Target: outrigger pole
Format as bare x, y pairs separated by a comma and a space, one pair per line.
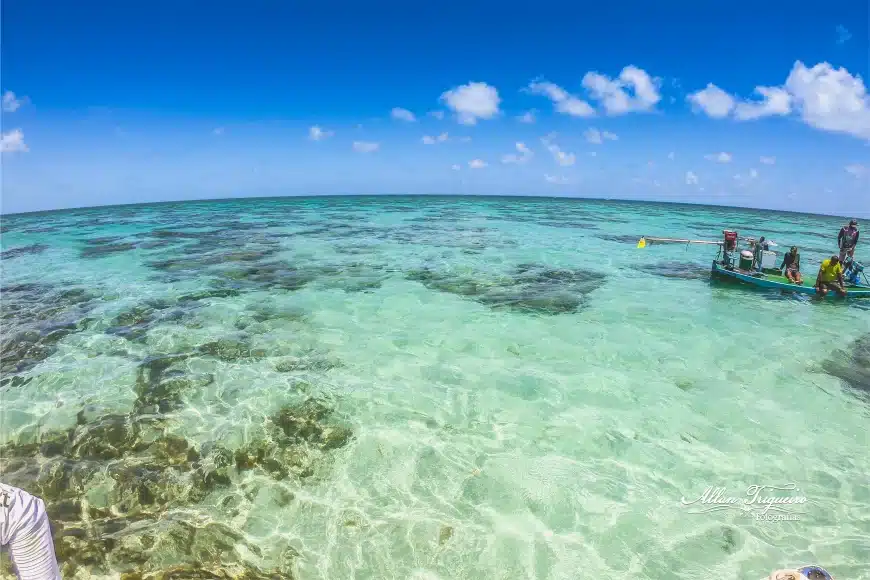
644, 240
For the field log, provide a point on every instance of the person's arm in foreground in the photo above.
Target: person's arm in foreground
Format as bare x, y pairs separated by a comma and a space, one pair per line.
25, 530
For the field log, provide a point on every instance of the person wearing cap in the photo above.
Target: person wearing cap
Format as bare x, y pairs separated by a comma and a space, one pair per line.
847, 239
830, 277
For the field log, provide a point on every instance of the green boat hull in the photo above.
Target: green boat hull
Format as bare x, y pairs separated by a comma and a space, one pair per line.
775, 282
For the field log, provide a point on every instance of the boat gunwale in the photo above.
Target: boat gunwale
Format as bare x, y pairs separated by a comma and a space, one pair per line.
859, 291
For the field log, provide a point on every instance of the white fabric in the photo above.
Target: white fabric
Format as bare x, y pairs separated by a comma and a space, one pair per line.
25, 532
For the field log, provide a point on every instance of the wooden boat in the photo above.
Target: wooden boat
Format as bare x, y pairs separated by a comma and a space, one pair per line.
778, 282
727, 266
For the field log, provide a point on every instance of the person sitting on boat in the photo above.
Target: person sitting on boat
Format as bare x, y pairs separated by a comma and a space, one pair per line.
792, 265
830, 277
852, 271
847, 239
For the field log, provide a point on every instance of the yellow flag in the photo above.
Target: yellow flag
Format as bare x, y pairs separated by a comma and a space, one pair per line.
641, 243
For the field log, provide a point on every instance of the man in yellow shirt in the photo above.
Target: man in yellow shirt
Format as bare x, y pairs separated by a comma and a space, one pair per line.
830, 277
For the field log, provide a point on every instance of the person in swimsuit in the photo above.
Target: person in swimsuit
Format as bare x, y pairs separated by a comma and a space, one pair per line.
847, 239
25, 531
791, 262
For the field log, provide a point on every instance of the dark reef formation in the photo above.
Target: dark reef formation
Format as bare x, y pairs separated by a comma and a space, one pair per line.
121, 489
529, 288
852, 366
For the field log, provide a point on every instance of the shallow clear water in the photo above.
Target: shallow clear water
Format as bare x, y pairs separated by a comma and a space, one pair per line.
529, 395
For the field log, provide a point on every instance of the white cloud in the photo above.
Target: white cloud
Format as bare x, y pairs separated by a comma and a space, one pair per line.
856, 170
317, 134
563, 102
13, 142
830, 99
218, 131
753, 173
767, 160
455, 167
465, 139
774, 101
527, 117
365, 146
597, 137
557, 179
472, 101
843, 35
524, 154
593, 154
546, 139
11, 103
671, 155
476, 164
691, 178
437, 114
614, 97
719, 157
427, 140
656, 183
823, 97
563, 158
713, 101
402, 115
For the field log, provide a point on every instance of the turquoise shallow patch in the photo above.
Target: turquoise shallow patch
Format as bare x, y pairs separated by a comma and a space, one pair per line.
501, 386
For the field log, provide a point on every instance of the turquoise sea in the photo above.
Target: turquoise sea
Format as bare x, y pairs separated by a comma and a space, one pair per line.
428, 388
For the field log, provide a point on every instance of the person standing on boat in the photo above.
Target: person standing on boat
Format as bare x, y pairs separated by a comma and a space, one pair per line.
830, 277
760, 247
791, 262
847, 239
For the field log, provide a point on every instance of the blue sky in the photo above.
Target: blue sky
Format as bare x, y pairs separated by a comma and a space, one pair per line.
121, 102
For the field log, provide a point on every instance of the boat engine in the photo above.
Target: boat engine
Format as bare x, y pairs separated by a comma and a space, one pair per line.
730, 240
729, 246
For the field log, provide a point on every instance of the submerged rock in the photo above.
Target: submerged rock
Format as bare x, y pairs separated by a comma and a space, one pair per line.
35, 318
680, 270
216, 572
159, 390
307, 422
205, 294
31, 250
628, 239
101, 251
231, 350
103, 482
529, 288
316, 363
852, 365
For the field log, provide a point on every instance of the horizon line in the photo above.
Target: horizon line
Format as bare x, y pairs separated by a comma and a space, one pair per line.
394, 195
